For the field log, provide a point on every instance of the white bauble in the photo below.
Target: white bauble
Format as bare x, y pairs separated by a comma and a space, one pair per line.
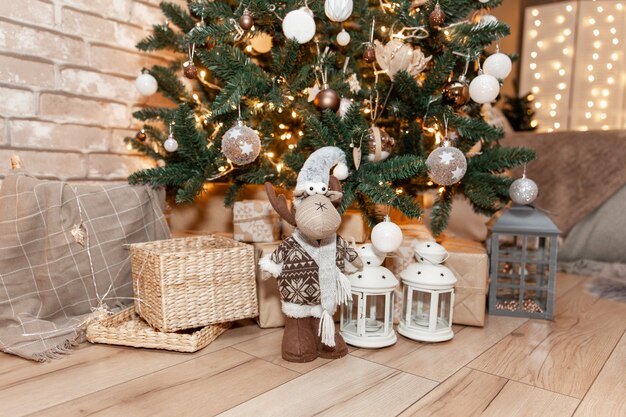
488, 18
446, 165
343, 38
484, 1
341, 171
146, 84
261, 43
299, 25
170, 144
338, 10
484, 88
386, 236
499, 65
523, 191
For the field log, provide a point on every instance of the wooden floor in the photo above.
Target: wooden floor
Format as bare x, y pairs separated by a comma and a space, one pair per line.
575, 365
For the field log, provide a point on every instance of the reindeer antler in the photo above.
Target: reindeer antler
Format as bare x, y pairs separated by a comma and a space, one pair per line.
280, 204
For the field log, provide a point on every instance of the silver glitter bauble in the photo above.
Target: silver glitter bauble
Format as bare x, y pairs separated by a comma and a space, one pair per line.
446, 165
523, 191
241, 144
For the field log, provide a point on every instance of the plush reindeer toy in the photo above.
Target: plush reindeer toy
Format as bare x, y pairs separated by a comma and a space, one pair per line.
309, 265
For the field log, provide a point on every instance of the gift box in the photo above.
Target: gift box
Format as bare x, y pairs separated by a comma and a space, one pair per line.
353, 227
469, 262
255, 221
270, 312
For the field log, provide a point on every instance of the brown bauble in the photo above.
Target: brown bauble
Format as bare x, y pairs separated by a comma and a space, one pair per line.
437, 17
369, 55
209, 44
190, 70
386, 144
141, 136
246, 21
456, 93
327, 99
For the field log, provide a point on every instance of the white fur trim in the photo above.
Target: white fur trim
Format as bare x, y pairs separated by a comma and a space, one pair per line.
270, 266
349, 268
298, 311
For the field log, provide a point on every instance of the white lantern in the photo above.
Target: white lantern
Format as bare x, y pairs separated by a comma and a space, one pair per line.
367, 319
338, 10
428, 301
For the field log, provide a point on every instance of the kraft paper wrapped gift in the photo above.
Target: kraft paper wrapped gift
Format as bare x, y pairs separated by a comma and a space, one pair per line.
353, 226
470, 264
255, 221
270, 313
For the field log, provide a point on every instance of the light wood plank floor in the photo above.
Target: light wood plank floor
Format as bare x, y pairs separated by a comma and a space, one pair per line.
572, 366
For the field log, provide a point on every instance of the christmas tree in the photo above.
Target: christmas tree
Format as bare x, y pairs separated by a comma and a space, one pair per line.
386, 81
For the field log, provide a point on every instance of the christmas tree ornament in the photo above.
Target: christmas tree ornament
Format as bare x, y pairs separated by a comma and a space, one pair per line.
141, 136
240, 144
488, 18
338, 10
146, 84
246, 21
343, 38
379, 144
354, 83
369, 54
396, 56
313, 91
446, 165
456, 93
190, 70
170, 144
386, 236
437, 17
484, 1
299, 25
344, 106
261, 42
499, 65
484, 88
327, 98
523, 190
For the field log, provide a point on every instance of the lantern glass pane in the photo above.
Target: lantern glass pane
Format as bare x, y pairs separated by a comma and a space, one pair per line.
445, 305
375, 313
351, 314
420, 310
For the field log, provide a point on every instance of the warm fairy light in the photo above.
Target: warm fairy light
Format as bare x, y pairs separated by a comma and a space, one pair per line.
535, 90
609, 66
588, 115
597, 44
291, 146
441, 189
129, 147
590, 104
562, 86
259, 105
282, 126
533, 33
540, 44
595, 56
553, 106
565, 51
269, 154
591, 78
366, 111
552, 113
605, 127
383, 29
569, 8
429, 183
613, 31
610, 80
583, 128
557, 125
603, 104
596, 32
202, 73
560, 19
538, 105
560, 39
195, 97
399, 191
535, 12
534, 123
567, 32
558, 96
222, 169
249, 48
280, 110
533, 66
614, 56
556, 65
294, 114
561, 72
300, 133
589, 67
537, 76
591, 21
615, 41
606, 92
603, 116
279, 167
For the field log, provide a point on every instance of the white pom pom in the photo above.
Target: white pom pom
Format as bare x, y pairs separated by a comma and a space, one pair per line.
341, 171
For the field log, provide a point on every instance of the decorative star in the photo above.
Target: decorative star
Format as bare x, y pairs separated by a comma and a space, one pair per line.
321, 206
246, 148
313, 91
446, 157
457, 174
79, 232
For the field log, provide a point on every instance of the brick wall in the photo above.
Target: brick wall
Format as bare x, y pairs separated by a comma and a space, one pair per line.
67, 70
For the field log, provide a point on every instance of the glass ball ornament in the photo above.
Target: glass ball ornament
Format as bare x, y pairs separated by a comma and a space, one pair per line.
499, 65
338, 10
484, 1
446, 165
386, 236
386, 144
456, 93
170, 144
484, 88
488, 18
343, 38
437, 17
246, 21
523, 191
141, 136
241, 144
369, 54
299, 24
327, 98
146, 84
190, 70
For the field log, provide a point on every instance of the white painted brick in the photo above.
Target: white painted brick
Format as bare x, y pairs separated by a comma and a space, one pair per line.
41, 43
45, 135
33, 12
87, 26
26, 72
15, 102
127, 36
77, 110
145, 15
64, 166
4, 139
117, 144
90, 83
117, 9
116, 167
123, 62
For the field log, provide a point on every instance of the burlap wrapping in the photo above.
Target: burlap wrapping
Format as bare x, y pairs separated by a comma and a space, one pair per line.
270, 312
50, 280
255, 221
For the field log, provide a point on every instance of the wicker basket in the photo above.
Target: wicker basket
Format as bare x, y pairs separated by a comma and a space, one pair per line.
127, 329
193, 282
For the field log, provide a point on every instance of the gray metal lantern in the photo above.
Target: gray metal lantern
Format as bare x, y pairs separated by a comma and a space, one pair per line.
523, 254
